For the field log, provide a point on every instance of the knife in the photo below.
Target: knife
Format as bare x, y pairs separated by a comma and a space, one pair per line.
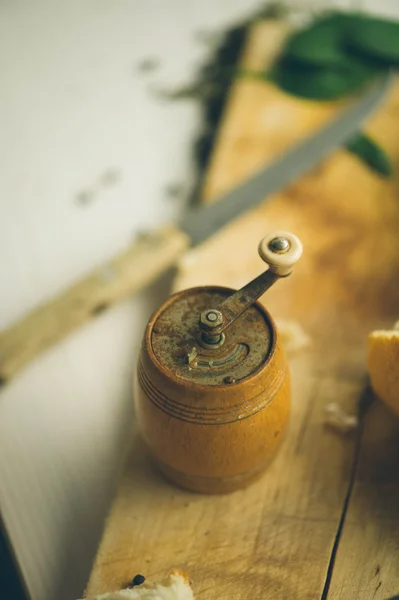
156, 252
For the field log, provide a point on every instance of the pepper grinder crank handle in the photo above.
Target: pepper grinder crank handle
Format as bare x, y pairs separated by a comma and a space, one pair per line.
280, 250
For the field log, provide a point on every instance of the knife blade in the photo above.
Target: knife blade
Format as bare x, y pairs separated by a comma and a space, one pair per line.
201, 224
155, 253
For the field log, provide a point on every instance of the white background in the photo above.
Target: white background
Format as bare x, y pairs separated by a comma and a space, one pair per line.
78, 118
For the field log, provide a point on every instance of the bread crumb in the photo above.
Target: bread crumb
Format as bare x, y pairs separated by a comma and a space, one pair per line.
292, 335
338, 419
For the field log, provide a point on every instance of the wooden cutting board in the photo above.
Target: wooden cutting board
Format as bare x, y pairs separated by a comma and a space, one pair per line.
323, 522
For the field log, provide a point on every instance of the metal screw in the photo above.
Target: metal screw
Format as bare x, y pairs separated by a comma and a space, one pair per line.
229, 379
280, 245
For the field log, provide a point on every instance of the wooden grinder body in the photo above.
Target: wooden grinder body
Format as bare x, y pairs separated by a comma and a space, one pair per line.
214, 425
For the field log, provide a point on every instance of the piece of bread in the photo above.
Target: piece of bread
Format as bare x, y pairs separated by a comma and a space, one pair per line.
175, 587
383, 365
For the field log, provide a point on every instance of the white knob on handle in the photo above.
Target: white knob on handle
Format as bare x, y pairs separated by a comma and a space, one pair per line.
280, 250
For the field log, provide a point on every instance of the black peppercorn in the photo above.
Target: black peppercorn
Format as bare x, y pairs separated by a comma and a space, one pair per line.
137, 580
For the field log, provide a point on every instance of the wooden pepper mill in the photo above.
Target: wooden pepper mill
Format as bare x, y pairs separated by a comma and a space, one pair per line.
213, 391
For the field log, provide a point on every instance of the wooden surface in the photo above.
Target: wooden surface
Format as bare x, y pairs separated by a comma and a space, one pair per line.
323, 522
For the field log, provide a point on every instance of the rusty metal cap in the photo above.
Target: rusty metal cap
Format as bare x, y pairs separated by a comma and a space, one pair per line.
175, 338
219, 336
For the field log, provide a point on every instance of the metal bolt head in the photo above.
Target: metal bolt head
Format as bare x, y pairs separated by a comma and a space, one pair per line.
211, 318
280, 245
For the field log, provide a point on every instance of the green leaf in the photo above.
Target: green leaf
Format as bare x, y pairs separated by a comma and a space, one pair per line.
334, 56
319, 83
321, 43
374, 38
365, 148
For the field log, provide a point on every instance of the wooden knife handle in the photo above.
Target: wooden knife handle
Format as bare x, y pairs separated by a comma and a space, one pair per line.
131, 271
